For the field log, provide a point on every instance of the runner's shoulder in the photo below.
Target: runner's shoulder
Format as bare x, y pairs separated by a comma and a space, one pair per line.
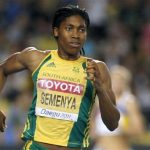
99, 62
102, 65
33, 53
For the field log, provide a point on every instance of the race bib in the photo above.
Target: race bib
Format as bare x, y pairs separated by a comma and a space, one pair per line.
56, 114
58, 99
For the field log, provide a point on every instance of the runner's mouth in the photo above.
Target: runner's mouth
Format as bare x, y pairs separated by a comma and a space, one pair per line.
74, 44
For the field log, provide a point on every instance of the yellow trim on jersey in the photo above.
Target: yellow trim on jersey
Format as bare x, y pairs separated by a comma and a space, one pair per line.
27, 145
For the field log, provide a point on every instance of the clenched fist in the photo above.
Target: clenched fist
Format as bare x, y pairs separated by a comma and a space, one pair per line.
93, 73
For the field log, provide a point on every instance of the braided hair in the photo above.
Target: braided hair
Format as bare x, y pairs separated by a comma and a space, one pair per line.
67, 11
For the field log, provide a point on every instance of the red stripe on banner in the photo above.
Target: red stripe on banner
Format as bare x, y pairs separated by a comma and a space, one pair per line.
61, 86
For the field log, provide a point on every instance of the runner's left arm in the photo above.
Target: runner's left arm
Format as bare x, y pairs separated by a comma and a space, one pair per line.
99, 74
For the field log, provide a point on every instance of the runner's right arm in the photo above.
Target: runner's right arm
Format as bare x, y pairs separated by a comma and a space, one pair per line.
15, 63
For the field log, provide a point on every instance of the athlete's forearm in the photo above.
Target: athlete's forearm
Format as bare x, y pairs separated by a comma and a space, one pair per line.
2, 82
3, 77
109, 112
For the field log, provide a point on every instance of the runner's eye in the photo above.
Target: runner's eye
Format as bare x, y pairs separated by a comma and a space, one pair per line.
68, 28
82, 30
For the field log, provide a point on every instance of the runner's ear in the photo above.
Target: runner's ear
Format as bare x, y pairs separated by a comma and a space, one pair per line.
55, 31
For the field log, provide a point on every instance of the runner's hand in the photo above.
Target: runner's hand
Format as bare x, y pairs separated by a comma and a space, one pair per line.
2, 121
93, 73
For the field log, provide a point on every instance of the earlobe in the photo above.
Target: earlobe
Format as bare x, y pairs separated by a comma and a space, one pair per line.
55, 32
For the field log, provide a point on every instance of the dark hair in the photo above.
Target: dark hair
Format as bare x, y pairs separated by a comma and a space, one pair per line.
68, 11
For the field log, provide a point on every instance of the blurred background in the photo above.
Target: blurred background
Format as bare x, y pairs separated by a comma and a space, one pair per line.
119, 34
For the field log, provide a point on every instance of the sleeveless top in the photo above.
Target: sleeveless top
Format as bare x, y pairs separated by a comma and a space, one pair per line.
62, 103
121, 103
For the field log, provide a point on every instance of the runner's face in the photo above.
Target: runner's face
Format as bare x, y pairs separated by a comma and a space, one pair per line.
71, 35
